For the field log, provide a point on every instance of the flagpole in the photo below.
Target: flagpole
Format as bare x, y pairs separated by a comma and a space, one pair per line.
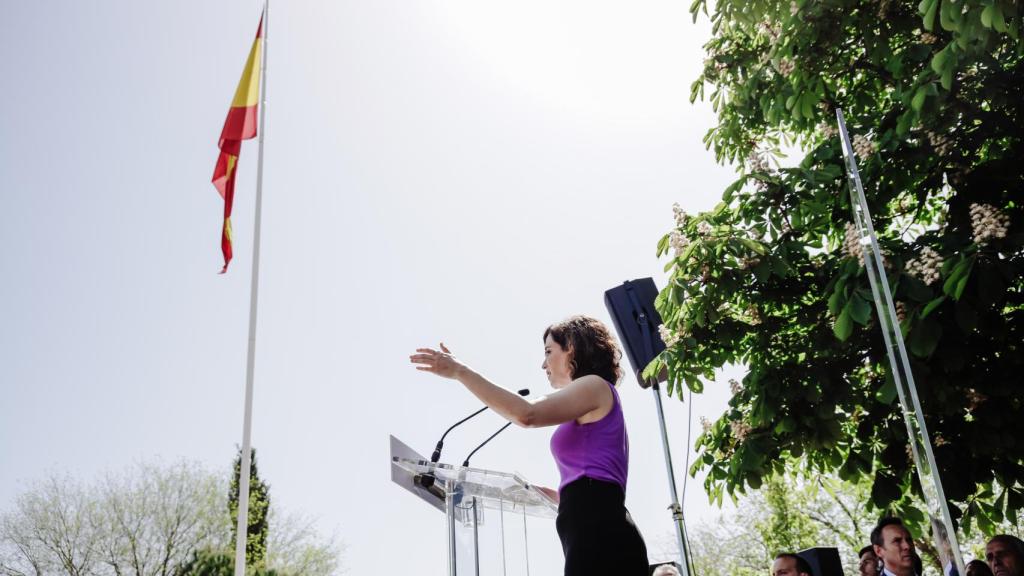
242, 528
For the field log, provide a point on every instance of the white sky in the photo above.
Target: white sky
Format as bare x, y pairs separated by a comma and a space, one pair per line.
460, 170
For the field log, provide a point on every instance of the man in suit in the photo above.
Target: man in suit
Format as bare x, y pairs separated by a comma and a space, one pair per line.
894, 547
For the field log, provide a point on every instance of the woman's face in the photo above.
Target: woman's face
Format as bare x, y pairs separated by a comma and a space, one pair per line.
556, 363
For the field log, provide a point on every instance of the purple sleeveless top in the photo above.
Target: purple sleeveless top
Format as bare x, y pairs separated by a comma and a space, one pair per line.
598, 450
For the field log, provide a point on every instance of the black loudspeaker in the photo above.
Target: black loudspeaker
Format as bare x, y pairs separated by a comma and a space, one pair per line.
632, 307
824, 561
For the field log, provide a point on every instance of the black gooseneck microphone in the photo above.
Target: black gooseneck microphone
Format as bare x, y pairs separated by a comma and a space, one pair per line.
436, 456
465, 464
426, 481
440, 443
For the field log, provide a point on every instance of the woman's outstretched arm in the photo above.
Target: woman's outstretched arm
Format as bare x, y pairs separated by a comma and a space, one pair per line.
583, 395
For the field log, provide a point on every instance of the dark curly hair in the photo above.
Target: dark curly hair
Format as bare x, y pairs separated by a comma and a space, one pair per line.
591, 346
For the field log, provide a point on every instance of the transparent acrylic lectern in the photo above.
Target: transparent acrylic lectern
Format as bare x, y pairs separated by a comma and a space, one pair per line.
486, 511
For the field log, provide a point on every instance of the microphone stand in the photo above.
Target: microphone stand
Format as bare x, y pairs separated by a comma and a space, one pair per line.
440, 443
465, 463
677, 510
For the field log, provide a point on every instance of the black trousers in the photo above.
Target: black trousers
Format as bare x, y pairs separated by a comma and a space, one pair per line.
598, 535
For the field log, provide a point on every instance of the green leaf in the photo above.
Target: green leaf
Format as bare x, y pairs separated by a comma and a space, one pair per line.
948, 13
653, 368
780, 267
860, 310
931, 306
905, 122
887, 393
998, 21
834, 303
986, 16
755, 246
957, 281
807, 105
695, 8
959, 291
928, 9
885, 490
663, 245
941, 60
727, 196
844, 324
920, 95
952, 286
985, 523
947, 78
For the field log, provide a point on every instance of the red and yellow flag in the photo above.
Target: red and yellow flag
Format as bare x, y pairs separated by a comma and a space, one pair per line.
240, 125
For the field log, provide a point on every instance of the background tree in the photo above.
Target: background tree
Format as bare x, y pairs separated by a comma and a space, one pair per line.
50, 531
787, 515
772, 278
296, 547
144, 521
209, 562
259, 507
791, 514
148, 520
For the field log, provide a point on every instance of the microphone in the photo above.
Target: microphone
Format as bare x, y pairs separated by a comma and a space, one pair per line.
426, 481
436, 456
440, 443
465, 464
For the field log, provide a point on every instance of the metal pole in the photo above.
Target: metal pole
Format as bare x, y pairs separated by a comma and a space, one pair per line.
899, 362
246, 464
677, 510
526, 543
501, 516
476, 539
450, 511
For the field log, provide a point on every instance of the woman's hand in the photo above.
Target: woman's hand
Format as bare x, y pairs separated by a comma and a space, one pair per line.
550, 493
437, 362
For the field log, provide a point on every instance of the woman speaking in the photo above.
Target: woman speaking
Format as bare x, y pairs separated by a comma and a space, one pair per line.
590, 445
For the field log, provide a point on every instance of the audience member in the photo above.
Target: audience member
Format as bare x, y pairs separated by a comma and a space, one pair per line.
978, 568
1005, 555
665, 570
868, 561
894, 547
787, 564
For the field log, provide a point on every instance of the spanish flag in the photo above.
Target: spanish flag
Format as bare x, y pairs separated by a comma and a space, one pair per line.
240, 125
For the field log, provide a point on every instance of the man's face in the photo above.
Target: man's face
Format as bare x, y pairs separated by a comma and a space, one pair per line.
868, 564
897, 550
1002, 559
785, 567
